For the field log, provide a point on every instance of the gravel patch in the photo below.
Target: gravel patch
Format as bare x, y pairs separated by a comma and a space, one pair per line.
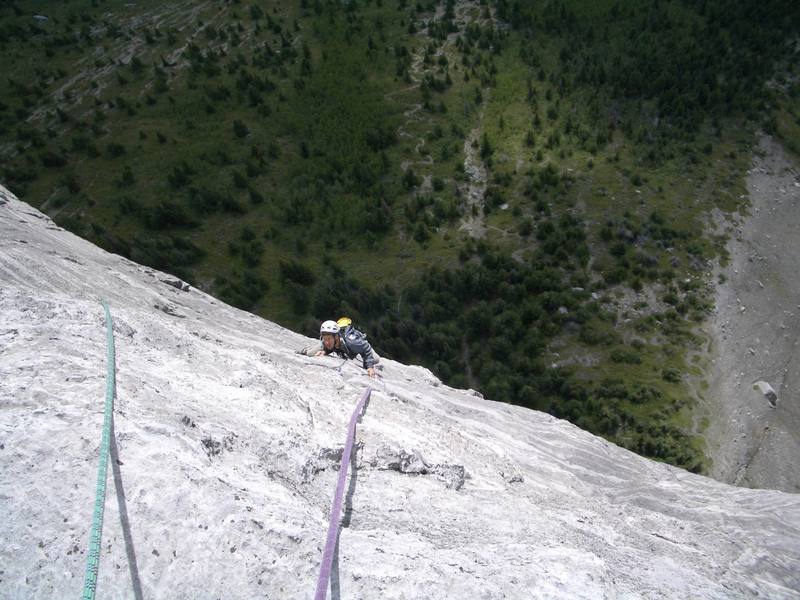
754, 332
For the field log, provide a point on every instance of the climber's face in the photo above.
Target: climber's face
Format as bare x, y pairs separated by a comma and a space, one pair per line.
328, 341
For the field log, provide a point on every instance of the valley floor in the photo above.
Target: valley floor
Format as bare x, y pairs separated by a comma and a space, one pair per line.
754, 333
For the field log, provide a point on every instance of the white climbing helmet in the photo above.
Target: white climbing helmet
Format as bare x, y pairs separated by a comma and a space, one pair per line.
329, 327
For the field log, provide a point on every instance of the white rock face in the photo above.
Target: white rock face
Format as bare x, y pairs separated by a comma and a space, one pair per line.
226, 447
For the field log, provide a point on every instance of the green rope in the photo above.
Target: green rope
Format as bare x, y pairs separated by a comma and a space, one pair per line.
93, 560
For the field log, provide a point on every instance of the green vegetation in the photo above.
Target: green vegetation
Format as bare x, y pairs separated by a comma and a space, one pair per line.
511, 193
786, 118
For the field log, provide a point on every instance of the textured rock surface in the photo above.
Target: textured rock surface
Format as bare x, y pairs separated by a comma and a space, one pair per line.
756, 334
226, 446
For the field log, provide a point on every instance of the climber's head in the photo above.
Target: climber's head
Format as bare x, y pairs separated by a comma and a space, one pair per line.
328, 332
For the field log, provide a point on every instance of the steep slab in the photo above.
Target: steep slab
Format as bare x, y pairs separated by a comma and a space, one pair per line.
225, 455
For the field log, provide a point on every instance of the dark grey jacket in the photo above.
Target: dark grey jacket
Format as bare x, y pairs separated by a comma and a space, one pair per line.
355, 343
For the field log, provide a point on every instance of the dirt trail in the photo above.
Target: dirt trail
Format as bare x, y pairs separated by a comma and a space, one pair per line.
473, 189
754, 333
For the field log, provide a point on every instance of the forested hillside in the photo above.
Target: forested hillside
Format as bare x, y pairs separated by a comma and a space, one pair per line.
518, 195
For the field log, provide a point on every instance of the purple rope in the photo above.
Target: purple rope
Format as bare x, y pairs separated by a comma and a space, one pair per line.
336, 509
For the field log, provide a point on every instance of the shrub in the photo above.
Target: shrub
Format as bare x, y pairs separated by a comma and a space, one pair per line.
296, 272
129, 206
167, 213
232, 205
180, 176
251, 253
592, 333
410, 180
645, 394
72, 183
169, 253
618, 249
244, 293
127, 179
240, 129
239, 180
421, 233
530, 139
51, 159
620, 355
256, 197
299, 296
486, 148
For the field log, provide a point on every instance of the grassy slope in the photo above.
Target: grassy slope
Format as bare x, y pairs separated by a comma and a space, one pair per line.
305, 132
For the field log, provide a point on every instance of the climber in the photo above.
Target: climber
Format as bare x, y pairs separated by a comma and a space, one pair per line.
346, 341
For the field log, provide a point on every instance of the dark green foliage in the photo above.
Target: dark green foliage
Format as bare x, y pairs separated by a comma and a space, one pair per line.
137, 66
421, 233
18, 177
128, 179
252, 252
376, 216
232, 205
623, 355
167, 253
205, 201
486, 148
497, 308
52, 159
242, 290
667, 53
129, 206
247, 247
256, 197
167, 214
346, 127
240, 129
410, 179
380, 138
530, 139
607, 408
115, 150
239, 180
299, 297
255, 12
618, 249
181, 175
594, 333
296, 272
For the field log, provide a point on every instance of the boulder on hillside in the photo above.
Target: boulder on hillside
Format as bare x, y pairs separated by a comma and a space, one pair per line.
768, 391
